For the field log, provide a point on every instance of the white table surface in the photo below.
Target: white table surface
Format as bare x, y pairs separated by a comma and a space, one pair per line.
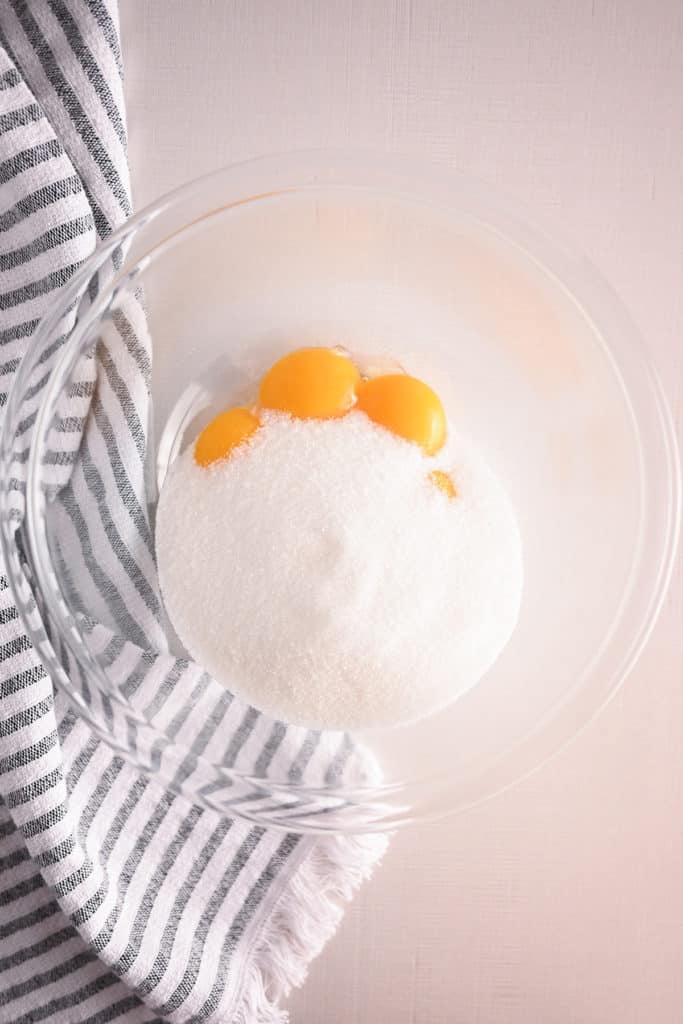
560, 902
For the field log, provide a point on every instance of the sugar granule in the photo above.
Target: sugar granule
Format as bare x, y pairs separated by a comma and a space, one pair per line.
319, 574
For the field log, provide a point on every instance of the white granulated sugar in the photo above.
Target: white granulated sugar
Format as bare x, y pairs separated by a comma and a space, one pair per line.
321, 576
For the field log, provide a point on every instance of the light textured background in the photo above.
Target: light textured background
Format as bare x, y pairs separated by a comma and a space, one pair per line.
560, 902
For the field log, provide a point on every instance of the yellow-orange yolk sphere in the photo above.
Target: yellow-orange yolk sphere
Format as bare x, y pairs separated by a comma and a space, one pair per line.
405, 406
443, 482
223, 434
311, 383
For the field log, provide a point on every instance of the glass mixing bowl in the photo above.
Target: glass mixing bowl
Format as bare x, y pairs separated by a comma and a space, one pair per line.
535, 360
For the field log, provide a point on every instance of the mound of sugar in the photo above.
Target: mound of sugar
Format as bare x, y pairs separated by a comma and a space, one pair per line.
320, 575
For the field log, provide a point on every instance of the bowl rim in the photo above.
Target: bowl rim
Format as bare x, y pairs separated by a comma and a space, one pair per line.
576, 276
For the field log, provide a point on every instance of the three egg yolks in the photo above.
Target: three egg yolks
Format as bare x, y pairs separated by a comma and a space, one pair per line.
321, 383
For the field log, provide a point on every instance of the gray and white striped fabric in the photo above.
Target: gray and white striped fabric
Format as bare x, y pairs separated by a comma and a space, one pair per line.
119, 900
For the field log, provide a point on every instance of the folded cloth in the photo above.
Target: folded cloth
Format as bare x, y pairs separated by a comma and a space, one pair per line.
120, 899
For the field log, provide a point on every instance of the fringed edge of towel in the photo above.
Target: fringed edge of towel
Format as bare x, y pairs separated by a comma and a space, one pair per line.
304, 919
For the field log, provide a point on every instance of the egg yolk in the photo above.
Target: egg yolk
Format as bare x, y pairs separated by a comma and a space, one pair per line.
223, 434
405, 406
311, 383
443, 482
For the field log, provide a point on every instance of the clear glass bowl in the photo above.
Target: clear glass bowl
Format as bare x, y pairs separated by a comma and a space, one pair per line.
535, 359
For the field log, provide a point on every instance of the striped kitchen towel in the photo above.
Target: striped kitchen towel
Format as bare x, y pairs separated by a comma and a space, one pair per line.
120, 900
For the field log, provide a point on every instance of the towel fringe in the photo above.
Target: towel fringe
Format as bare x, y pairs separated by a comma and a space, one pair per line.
305, 918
